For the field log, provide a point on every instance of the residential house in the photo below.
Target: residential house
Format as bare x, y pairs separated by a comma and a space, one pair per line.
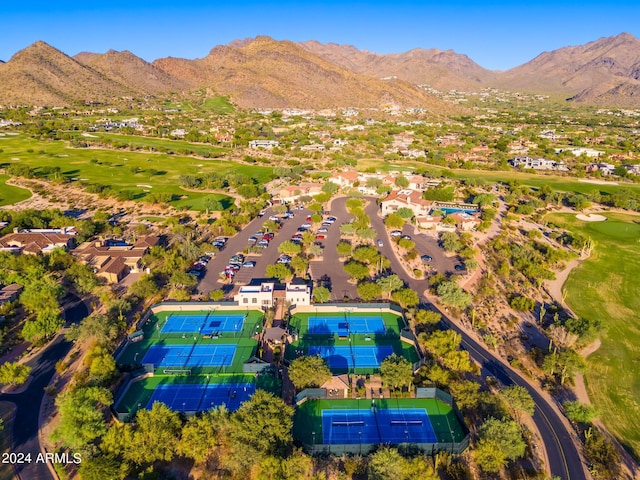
115, 262
38, 241
603, 168
588, 152
10, 293
633, 169
411, 199
267, 144
345, 179
537, 163
466, 221
291, 193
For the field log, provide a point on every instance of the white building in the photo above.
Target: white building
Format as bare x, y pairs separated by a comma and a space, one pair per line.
268, 144
258, 295
298, 293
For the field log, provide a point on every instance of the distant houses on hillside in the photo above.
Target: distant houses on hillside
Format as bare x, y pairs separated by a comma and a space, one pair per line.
538, 163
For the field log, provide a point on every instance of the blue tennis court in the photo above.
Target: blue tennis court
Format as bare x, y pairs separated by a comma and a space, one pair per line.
342, 358
203, 324
190, 355
344, 325
393, 426
200, 397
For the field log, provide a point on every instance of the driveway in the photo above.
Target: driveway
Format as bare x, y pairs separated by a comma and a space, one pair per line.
330, 271
24, 434
237, 244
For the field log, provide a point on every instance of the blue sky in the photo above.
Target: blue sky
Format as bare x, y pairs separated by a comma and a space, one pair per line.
496, 34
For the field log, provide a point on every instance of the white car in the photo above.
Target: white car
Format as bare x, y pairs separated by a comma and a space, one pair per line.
380, 243
396, 233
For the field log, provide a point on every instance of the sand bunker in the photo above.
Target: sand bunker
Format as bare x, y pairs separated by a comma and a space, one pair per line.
592, 217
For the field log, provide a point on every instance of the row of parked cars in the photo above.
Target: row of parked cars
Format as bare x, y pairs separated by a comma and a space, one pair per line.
199, 267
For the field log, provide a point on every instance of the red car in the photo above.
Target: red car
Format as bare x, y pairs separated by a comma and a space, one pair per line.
320, 237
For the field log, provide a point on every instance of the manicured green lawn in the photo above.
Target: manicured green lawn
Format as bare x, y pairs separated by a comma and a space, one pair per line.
139, 172
162, 144
6, 413
219, 105
10, 194
606, 286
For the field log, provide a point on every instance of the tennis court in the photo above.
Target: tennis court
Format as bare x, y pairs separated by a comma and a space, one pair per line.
344, 325
204, 324
345, 357
375, 425
220, 355
200, 397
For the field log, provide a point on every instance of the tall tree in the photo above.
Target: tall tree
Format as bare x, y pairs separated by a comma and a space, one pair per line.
82, 417
14, 373
309, 372
396, 371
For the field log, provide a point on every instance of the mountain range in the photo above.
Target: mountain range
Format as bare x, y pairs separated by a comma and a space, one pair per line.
265, 73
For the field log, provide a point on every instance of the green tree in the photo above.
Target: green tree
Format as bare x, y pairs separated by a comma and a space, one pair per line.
14, 373
96, 327
294, 467
369, 291
405, 297
202, 434
290, 248
522, 304
396, 371
441, 342
299, 265
518, 400
386, 463
452, 294
505, 437
260, 426
450, 241
156, 434
580, 412
356, 270
366, 254
427, 318
394, 221
321, 294
466, 393
390, 284
279, 271
82, 418
343, 249
309, 372
602, 455
46, 324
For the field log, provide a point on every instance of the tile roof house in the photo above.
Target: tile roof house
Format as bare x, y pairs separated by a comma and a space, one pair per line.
113, 263
411, 199
34, 242
10, 293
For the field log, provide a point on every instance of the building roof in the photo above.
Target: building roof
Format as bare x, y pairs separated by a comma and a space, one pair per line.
409, 197
35, 242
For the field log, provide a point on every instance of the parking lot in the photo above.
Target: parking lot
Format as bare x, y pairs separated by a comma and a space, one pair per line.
329, 271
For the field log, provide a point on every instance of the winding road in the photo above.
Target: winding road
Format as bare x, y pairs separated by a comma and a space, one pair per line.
24, 434
564, 459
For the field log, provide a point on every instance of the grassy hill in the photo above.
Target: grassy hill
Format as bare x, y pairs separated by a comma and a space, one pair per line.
10, 194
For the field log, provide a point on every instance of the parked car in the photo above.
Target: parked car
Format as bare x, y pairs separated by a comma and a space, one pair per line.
263, 243
396, 233
284, 259
331, 219
320, 237
380, 243
273, 218
406, 237
327, 224
249, 264
426, 258
205, 258
322, 230
196, 273
197, 266
305, 225
252, 240
268, 236
459, 267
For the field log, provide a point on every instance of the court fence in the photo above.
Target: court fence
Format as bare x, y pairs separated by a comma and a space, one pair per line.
317, 447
